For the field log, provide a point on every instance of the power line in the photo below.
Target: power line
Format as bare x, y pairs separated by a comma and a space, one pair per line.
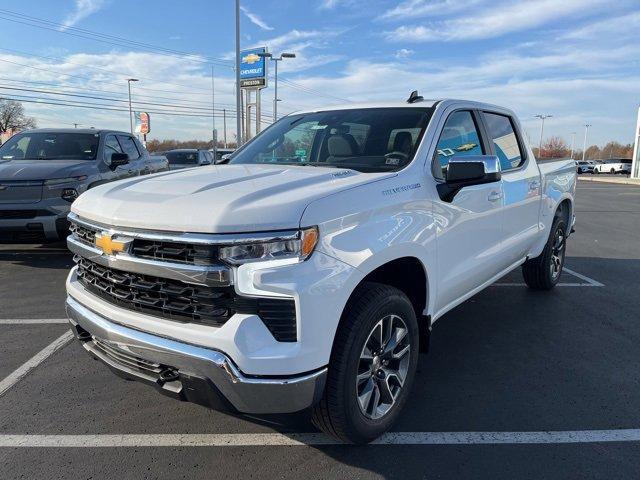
101, 37
173, 53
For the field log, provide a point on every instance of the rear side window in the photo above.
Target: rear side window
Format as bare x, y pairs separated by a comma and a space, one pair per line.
459, 137
129, 146
505, 141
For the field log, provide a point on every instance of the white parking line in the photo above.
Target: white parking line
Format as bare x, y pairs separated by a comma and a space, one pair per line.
31, 321
34, 361
587, 281
300, 439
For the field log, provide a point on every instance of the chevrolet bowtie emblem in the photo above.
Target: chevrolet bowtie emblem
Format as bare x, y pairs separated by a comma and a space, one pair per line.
108, 245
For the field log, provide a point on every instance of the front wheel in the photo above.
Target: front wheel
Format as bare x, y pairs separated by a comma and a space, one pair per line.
372, 365
543, 272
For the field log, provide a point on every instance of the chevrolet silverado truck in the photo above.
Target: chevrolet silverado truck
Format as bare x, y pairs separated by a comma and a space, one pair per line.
308, 271
43, 171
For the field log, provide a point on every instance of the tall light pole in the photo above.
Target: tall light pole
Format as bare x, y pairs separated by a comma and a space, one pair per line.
541, 117
224, 125
275, 78
129, 80
573, 143
584, 144
238, 92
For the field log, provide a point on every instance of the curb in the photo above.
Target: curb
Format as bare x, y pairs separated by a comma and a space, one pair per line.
621, 181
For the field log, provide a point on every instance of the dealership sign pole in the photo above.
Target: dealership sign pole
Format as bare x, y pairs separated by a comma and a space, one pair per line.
253, 78
635, 166
143, 125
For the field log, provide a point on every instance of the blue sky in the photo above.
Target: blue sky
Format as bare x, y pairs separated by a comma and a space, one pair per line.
578, 60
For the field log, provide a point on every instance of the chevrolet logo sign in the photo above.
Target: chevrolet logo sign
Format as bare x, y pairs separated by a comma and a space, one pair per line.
251, 58
108, 245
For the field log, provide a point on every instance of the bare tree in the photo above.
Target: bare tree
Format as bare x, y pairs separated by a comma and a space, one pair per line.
12, 117
555, 147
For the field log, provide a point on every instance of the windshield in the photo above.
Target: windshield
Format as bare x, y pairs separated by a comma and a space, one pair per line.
182, 158
367, 140
51, 146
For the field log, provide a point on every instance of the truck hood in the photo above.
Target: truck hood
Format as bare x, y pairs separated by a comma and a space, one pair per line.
17, 170
217, 198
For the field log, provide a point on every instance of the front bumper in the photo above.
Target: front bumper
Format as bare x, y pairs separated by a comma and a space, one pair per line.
42, 221
189, 372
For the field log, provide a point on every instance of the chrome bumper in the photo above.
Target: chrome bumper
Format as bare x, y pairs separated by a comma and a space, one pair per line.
189, 372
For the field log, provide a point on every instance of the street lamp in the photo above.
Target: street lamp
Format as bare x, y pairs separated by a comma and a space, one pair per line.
584, 145
275, 93
573, 143
541, 117
129, 80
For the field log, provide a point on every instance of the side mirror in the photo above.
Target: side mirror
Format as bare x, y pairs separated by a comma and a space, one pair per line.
118, 159
465, 171
473, 170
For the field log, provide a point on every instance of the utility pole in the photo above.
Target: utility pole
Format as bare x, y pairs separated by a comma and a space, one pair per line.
213, 113
75, 125
238, 91
224, 125
541, 117
129, 80
573, 143
275, 78
584, 144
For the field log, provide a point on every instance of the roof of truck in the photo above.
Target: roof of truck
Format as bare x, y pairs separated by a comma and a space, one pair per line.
75, 130
426, 103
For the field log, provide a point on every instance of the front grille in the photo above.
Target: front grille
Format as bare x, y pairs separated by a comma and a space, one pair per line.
83, 233
18, 214
175, 252
185, 302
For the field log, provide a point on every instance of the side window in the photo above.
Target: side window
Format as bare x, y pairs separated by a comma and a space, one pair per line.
129, 146
111, 146
504, 140
459, 137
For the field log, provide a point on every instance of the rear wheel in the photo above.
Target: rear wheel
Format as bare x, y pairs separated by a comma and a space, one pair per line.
613, 170
372, 365
543, 272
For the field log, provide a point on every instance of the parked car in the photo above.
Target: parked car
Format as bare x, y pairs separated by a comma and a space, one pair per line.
43, 171
188, 158
222, 154
584, 166
309, 270
618, 165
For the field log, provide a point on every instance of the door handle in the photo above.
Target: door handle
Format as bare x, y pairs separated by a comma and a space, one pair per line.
494, 196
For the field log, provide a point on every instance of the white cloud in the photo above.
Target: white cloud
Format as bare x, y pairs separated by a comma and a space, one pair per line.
83, 9
255, 19
421, 8
329, 4
496, 21
404, 53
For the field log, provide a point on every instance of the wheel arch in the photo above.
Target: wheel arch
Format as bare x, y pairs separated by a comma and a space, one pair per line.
409, 275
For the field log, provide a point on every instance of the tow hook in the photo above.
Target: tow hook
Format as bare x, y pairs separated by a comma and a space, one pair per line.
168, 375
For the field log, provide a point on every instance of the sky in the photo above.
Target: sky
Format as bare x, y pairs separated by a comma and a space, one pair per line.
577, 60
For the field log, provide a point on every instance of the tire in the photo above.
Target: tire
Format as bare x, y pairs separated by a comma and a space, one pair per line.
595, 171
344, 412
543, 272
612, 171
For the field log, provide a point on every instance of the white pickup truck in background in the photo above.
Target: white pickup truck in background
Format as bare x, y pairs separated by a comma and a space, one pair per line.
308, 271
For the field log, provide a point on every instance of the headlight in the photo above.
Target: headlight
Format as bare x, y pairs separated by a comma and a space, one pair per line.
61, 181
300, 248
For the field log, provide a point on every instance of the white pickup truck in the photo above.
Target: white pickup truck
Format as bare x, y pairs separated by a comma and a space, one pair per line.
308, 271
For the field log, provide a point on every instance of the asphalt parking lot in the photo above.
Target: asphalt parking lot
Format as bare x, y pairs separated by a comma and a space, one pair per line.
517, 384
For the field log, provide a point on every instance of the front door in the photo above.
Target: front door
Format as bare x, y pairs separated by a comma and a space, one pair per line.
470, 226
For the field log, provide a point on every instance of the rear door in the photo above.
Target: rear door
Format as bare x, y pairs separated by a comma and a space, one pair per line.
521, 183
470, 226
